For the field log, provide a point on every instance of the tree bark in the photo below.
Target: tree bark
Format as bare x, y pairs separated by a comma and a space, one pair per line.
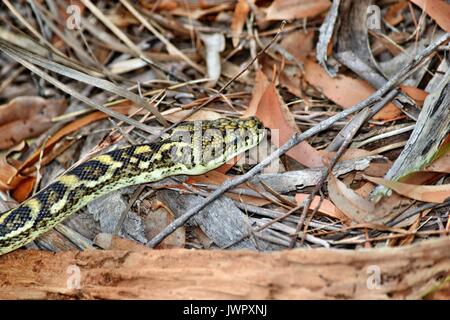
404, 272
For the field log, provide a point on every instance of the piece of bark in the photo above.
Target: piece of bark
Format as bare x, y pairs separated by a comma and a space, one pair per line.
434, 82
108, 209
405, 272
327, 29
221, 221
297, 180
55, 241
156, 217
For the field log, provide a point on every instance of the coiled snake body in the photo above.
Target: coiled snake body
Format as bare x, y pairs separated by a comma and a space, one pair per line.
193, 148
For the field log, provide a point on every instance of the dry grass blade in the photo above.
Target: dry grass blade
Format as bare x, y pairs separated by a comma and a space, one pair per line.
30, 27
30, 45
75, 93
123, 37
170, 47
16, 52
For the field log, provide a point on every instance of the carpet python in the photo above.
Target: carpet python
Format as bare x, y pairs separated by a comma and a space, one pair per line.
192, 148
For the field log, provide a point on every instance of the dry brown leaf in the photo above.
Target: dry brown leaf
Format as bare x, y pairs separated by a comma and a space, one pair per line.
230, 70
8, 174
349, 154
435, 194
326, 208
418, 177
24, 189
107, 241
199, 115
439, 10
353, 204
294, 48
296, 9
27, 117
345, 91
190, 9
349, 202
377, 169
261, 84
217, 178
365, 190
290, 79
299, 44
230, 164
158, 218
122, 19
440, 165
417, 94
161, 5
237, 24
274, 114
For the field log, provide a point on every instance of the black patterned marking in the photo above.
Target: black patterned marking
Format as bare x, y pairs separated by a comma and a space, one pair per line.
91, 170
154, 147
53, 193
48, 197
122, 155
167, 157
15, 220
77, 194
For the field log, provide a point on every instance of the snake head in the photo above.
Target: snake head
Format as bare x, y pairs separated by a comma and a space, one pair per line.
232, 136
216, 141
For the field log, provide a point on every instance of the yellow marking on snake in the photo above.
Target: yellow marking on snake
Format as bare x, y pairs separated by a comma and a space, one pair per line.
68, 180
125, 167
105, 158
142, 149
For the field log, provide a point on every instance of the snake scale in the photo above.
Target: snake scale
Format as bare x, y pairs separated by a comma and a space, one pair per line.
192, 148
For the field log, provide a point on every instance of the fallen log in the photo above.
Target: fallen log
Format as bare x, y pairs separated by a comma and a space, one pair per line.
382, 273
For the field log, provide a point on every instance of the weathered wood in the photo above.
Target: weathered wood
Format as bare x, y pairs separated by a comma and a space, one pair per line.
221, 221
405, 272
430, 131
297, 180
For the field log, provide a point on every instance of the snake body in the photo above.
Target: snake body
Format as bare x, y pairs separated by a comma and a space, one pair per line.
193, 148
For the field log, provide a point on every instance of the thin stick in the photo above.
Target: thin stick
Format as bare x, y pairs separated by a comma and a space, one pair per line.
260, 228
299, 137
